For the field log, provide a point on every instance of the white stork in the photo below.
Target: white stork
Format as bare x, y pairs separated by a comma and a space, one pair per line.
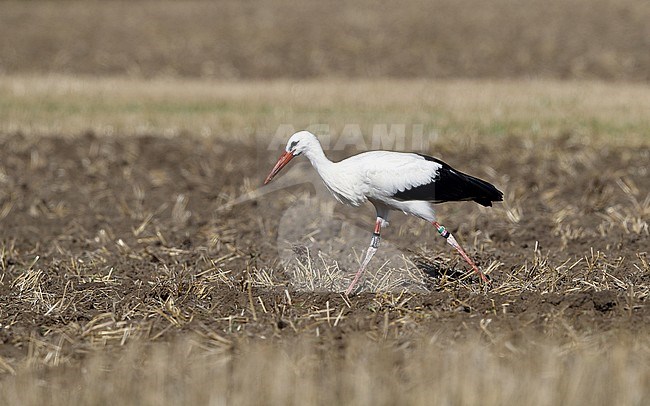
406, 182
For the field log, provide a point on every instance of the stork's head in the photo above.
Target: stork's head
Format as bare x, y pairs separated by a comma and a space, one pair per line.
302, 141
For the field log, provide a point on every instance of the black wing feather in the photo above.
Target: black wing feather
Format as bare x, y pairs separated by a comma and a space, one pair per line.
452, 185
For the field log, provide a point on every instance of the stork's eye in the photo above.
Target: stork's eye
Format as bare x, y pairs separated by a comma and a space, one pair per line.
293, 145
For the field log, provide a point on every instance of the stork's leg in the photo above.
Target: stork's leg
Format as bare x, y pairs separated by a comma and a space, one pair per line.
452, 241
374, 244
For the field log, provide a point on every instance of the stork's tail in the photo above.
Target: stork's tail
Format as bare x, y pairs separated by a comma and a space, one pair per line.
482, 192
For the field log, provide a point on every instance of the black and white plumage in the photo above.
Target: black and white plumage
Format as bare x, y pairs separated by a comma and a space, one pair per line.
450, 185
401, 181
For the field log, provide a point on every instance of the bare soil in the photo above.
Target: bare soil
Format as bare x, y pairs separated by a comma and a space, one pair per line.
132, 233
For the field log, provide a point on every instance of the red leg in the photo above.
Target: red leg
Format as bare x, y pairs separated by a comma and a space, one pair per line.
452, 241
374, 245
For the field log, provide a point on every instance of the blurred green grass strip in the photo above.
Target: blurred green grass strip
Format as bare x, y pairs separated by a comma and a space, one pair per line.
67, 105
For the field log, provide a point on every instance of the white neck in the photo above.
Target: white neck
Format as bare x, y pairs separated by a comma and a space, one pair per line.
317, 158
341, 185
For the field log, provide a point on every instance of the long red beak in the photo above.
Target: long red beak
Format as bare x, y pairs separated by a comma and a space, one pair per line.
284, 159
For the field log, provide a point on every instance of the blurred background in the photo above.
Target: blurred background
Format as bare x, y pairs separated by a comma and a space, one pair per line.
233, 39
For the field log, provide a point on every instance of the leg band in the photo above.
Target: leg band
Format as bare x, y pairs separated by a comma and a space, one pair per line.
443, 231
374, 241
